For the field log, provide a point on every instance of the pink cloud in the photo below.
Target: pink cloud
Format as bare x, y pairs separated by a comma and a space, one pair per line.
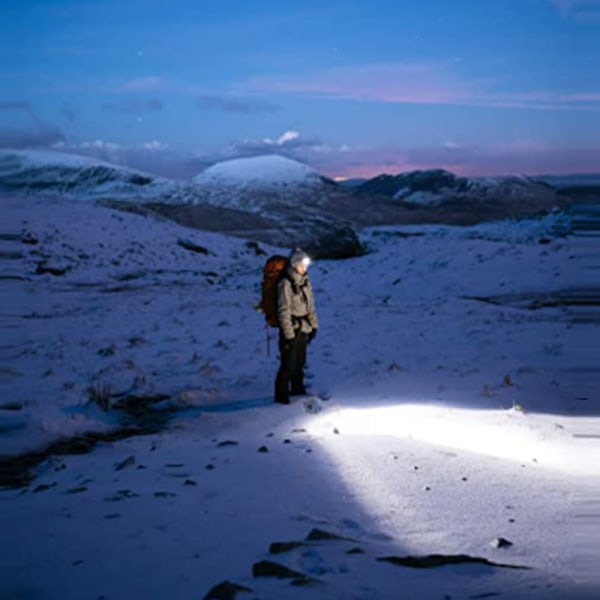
524, 156
417, 83
385, 82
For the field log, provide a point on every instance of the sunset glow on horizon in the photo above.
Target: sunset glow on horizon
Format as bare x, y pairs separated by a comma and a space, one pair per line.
477, 87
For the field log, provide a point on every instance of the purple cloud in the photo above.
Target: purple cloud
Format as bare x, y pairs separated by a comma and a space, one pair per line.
227, 104
437, 83
287, 143
520, 156
132, 106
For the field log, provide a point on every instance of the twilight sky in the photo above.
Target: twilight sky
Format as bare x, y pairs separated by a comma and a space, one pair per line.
352, 88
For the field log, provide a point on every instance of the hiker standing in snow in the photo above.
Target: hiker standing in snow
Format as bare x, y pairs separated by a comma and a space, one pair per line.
298, 325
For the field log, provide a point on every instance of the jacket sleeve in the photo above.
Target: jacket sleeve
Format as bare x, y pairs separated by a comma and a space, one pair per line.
284, 309
312, 313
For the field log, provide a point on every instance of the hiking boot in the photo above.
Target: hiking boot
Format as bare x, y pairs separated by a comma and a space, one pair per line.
282, 400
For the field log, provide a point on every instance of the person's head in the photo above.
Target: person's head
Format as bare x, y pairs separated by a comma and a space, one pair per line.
299, 260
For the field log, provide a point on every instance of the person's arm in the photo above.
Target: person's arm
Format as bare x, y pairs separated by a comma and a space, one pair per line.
312, 313
284, 309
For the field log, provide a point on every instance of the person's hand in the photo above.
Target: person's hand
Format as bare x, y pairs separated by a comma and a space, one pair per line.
312, 335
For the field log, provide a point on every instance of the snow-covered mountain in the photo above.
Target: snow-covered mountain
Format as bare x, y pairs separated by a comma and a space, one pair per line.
281, 201
264, 185
270, 199
262, 172
436, 187
84, 178
300, 206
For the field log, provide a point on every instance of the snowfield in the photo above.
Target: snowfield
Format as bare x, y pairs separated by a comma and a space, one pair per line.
261, 184
264, 171
450, 446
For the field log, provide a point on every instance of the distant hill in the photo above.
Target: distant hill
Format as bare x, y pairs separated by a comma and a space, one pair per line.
447, 197
270, 199
580, 188
574, 180
285, 202
265, 185
83, 178
351, 183
435, 187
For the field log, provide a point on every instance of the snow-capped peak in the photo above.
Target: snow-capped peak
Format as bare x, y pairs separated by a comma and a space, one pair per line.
267, 170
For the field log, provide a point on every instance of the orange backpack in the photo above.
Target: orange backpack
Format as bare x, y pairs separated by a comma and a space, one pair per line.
272, 272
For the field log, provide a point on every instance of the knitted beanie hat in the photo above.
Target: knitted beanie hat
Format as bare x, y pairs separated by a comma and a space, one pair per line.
299, 256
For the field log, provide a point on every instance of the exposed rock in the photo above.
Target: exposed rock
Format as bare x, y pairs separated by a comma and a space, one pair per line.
258, 251
192, 247
121, 495
77, 490
280, 547
44, 267
43, 487
338, 242
501, 543
226, 590
29, 238
439, 560
318, 535
164, 495
267, 568
128, 462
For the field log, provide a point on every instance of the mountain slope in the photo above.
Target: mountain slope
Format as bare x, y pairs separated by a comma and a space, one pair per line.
303, 205
263, 184
436, 187
83, 178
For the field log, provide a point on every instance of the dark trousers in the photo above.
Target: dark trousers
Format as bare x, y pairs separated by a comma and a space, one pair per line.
290, 377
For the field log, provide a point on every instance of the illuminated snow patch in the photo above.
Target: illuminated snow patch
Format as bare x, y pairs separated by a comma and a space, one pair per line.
508, 434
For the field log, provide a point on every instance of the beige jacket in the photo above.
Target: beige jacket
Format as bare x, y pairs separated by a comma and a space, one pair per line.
295, 304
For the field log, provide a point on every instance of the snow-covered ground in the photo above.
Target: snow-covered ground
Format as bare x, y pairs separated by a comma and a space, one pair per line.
454, 406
